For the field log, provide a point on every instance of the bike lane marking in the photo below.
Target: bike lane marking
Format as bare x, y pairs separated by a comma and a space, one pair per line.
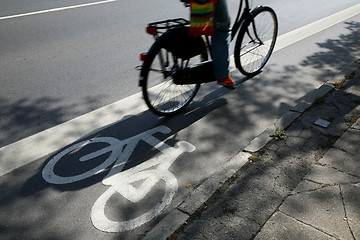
150, 172
41, 144
56, 9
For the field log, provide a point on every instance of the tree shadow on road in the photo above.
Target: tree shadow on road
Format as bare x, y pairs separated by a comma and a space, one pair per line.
25, 117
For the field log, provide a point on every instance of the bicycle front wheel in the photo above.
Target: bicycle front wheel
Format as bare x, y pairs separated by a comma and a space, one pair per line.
256, 41
162, 95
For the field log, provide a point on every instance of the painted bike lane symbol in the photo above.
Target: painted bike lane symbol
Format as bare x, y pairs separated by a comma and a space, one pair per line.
150, 172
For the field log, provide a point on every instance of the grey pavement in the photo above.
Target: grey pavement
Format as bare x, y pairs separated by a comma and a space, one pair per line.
305, 186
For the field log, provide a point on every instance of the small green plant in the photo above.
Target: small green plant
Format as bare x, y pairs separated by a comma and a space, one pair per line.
319, 100
253, 158
278, 134
357, 61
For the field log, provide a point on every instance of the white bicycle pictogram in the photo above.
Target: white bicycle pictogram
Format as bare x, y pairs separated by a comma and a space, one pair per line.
150, 172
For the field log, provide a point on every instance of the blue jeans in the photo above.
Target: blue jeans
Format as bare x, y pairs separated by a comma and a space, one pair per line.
221, 40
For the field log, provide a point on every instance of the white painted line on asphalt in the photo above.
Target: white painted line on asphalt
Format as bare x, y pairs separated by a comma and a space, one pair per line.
56, 9
34, 147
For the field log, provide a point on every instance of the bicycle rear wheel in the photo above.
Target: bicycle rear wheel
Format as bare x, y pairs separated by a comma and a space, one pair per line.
161, 94
256, 41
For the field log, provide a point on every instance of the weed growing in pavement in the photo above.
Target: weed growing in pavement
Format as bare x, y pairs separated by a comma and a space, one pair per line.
254, 157
278, 134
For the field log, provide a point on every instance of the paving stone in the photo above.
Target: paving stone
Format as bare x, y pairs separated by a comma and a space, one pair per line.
295, 130
351, 195
342, 161
305, 186
295, 142
329, 175
350, 142
322, 209
308, 133
282, 227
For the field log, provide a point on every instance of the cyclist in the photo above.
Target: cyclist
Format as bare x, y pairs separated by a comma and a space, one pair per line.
221, 42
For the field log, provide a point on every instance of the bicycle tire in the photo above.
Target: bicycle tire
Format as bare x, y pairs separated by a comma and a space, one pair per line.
161, 94
256, 41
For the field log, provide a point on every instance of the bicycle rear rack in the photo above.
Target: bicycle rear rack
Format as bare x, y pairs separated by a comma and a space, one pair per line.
158, 28
155, 28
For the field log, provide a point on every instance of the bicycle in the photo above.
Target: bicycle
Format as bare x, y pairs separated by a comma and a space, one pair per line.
170, 84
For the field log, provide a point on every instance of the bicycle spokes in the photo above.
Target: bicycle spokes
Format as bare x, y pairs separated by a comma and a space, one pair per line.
256, 41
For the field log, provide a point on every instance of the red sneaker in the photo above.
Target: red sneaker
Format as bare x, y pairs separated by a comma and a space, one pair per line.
226, 82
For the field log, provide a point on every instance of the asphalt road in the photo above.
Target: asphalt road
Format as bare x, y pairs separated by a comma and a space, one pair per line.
54, 64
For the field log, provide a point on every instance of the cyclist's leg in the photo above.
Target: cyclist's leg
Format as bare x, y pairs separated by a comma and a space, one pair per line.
220, 54
221, 40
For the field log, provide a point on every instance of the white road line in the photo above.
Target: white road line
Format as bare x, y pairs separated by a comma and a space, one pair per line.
41, 144
56, 9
